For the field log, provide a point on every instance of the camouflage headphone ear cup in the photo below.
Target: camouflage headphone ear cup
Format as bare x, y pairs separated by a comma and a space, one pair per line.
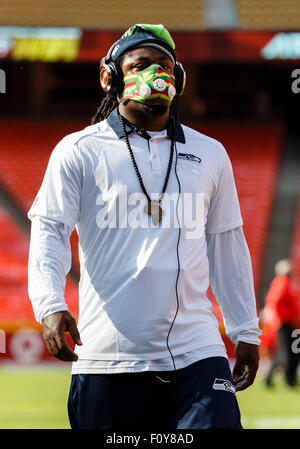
180, 78
114, 78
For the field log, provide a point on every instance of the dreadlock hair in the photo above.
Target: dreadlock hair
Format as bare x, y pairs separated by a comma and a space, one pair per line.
108, 103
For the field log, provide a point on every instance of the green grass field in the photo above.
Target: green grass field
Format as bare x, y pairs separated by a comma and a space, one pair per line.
37, 399
34, 398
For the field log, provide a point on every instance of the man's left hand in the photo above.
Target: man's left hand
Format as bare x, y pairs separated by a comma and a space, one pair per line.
246, 365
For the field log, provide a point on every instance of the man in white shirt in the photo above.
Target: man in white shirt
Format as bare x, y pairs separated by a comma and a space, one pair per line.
156, 210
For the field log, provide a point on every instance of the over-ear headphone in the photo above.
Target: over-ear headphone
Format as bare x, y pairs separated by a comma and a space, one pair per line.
111, 76
180, 78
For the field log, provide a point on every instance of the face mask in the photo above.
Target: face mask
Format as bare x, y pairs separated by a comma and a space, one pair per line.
152, 86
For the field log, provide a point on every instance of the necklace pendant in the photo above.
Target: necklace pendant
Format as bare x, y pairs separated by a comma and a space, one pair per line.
153, 208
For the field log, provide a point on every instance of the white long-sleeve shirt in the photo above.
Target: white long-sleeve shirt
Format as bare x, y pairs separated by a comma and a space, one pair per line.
50, 261
128, 292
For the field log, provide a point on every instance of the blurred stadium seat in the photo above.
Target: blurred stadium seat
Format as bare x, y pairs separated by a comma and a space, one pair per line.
92, 14
23, 340
255, 161
191, 15
295, 249
25, 149
24, 152
268, 14
15, 305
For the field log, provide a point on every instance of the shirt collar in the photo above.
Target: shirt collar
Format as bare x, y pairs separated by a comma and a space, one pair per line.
114, 122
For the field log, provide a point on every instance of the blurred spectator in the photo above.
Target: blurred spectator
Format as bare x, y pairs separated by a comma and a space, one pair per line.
280, 316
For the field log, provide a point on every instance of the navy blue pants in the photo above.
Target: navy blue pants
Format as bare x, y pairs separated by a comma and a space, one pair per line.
199, 396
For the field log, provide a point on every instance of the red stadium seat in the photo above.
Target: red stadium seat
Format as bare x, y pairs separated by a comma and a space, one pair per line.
295, 250
15, 305
25, 149
254, 151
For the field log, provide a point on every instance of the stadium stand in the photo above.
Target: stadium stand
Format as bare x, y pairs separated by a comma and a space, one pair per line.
97, 15
268, 14
255, 161
13, 271
295, 249
15, 305
25, 149
24, 343
191, 15
24, 153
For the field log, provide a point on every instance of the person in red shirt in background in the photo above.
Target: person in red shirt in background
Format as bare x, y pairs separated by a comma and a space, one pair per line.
280, 316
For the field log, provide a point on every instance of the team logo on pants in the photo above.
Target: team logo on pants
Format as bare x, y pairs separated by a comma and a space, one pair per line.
223, 384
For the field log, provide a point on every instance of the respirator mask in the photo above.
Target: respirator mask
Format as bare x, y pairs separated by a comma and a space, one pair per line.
153, 86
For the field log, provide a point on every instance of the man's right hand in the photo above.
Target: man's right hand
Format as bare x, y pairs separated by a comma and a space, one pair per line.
53, 328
